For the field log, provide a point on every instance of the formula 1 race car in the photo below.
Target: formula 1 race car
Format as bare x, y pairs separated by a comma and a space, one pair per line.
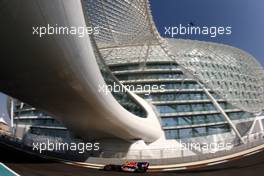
140, 167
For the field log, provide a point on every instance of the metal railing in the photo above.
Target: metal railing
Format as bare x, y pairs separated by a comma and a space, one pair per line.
165, 156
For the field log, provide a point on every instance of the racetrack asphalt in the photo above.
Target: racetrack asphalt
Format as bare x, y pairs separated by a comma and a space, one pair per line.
28, 165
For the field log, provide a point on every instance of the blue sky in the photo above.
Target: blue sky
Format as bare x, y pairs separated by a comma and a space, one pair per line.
246, 17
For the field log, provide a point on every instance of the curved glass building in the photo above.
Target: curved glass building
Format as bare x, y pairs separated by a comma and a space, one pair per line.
140, 95
185, 108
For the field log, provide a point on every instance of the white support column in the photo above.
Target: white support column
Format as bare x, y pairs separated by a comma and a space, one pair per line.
12, 115
261, 124
217, 105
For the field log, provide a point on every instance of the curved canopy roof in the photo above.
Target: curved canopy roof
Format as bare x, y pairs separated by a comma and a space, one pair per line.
127, 32
232, 73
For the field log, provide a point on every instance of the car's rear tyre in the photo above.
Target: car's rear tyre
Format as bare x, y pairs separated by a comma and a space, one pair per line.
108, 168
141, 170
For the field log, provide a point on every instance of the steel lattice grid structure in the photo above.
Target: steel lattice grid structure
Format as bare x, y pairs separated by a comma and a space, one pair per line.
121, 22
128, 34
232, 73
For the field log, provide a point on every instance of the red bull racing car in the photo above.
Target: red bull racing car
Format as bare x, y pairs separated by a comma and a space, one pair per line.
140, 167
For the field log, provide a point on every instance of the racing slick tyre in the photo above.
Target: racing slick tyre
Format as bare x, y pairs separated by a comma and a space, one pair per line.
108, 168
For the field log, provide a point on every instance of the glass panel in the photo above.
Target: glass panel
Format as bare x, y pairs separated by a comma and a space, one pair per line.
218, 129
144, 76
172, 134
185, 120
124, 67
201, 131
199, 119
185, 107
176, 96
166, 122
185, 133
39, 122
